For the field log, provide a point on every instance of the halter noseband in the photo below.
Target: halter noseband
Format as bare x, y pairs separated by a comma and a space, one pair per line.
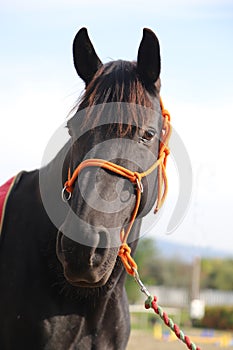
135, 178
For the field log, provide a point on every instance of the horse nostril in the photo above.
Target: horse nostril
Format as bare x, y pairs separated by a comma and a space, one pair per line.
103, 239
99, 252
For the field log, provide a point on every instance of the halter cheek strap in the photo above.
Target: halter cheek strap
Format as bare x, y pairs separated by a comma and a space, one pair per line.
135, 178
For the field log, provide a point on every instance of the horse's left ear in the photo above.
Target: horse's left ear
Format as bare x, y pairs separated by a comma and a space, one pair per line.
148, 62
86, 61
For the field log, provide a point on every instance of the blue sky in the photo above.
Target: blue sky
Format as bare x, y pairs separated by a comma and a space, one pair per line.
38, 87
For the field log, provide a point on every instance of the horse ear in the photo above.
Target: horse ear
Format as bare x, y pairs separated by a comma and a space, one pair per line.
86, 61
148, 61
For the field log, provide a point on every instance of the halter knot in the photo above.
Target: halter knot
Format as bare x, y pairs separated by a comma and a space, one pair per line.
124, 248
127, 260
166, 151
166, 114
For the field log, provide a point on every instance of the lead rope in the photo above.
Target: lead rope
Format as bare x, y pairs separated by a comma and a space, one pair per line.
152, 303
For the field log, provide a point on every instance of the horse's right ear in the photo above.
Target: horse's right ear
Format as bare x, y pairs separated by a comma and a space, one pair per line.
86, 61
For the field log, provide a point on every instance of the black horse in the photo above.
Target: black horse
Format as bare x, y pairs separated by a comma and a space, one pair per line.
61, 280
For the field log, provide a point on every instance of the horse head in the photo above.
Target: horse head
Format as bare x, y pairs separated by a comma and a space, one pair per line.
118, 119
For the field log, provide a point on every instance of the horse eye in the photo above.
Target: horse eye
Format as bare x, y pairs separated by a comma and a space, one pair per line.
148, 135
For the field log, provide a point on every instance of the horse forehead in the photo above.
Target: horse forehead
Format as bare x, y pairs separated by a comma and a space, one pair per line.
153, 120
153, 115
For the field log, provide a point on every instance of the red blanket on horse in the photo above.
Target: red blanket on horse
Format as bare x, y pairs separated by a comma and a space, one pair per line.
4, 193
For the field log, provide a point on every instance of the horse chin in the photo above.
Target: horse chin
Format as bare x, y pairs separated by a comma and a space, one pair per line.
92, 279
86, 284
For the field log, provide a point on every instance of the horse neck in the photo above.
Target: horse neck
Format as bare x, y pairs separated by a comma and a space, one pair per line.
51, 184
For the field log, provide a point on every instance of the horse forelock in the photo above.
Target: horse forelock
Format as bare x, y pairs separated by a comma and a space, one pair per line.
116, 82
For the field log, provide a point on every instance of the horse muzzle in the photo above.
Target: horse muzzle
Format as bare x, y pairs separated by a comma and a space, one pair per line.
86, 266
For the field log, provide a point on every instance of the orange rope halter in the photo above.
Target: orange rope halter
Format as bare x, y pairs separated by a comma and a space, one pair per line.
135, 178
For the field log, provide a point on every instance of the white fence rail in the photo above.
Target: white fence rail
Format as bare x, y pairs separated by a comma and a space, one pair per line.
180, 297
216, 297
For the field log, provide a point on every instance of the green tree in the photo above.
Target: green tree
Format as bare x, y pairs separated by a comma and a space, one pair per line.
217, 274
175, 272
